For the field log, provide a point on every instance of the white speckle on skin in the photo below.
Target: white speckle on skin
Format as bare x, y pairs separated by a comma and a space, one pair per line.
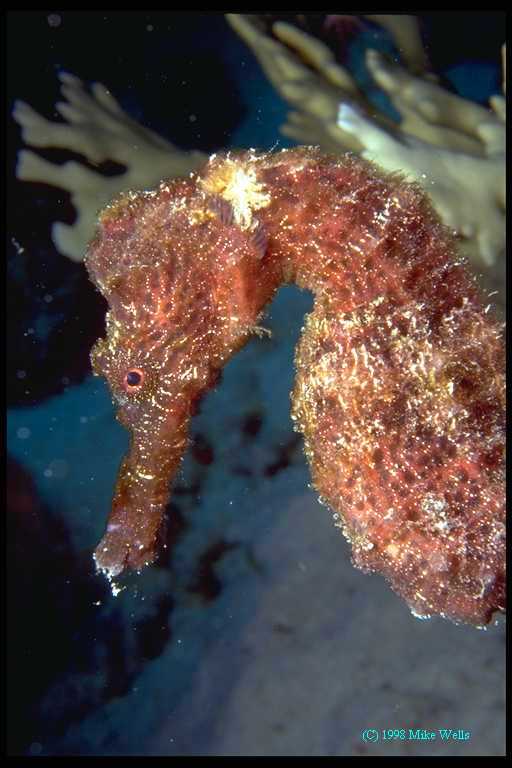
435, 508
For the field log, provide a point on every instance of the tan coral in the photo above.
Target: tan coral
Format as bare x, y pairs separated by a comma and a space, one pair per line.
100, 130
454, 148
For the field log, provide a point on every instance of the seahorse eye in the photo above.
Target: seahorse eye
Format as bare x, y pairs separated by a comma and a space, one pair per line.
134, 378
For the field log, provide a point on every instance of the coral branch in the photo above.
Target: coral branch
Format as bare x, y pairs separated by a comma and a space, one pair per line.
452, 147
100, 130
404, 31
400, 370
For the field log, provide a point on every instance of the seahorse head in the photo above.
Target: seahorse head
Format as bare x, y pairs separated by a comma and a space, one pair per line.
175, 265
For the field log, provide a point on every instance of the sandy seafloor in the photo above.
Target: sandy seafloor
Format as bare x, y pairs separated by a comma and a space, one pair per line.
255, 635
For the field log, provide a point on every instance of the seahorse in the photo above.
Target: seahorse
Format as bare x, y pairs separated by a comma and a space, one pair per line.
399, 391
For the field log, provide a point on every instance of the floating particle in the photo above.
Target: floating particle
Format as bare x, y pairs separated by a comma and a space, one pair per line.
19, 248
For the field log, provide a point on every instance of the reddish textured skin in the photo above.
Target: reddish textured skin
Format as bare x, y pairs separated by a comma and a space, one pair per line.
400, 370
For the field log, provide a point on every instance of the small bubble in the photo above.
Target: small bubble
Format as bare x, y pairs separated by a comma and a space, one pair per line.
35, 748
54, 20
48, 473
65, 381
23, 433
192, 118
83, 419
21, 374
150, 28
48, 298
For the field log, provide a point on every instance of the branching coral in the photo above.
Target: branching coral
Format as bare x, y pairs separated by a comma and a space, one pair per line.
454, 148
98, 129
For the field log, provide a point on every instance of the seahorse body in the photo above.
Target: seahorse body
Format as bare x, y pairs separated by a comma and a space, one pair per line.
400, 370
